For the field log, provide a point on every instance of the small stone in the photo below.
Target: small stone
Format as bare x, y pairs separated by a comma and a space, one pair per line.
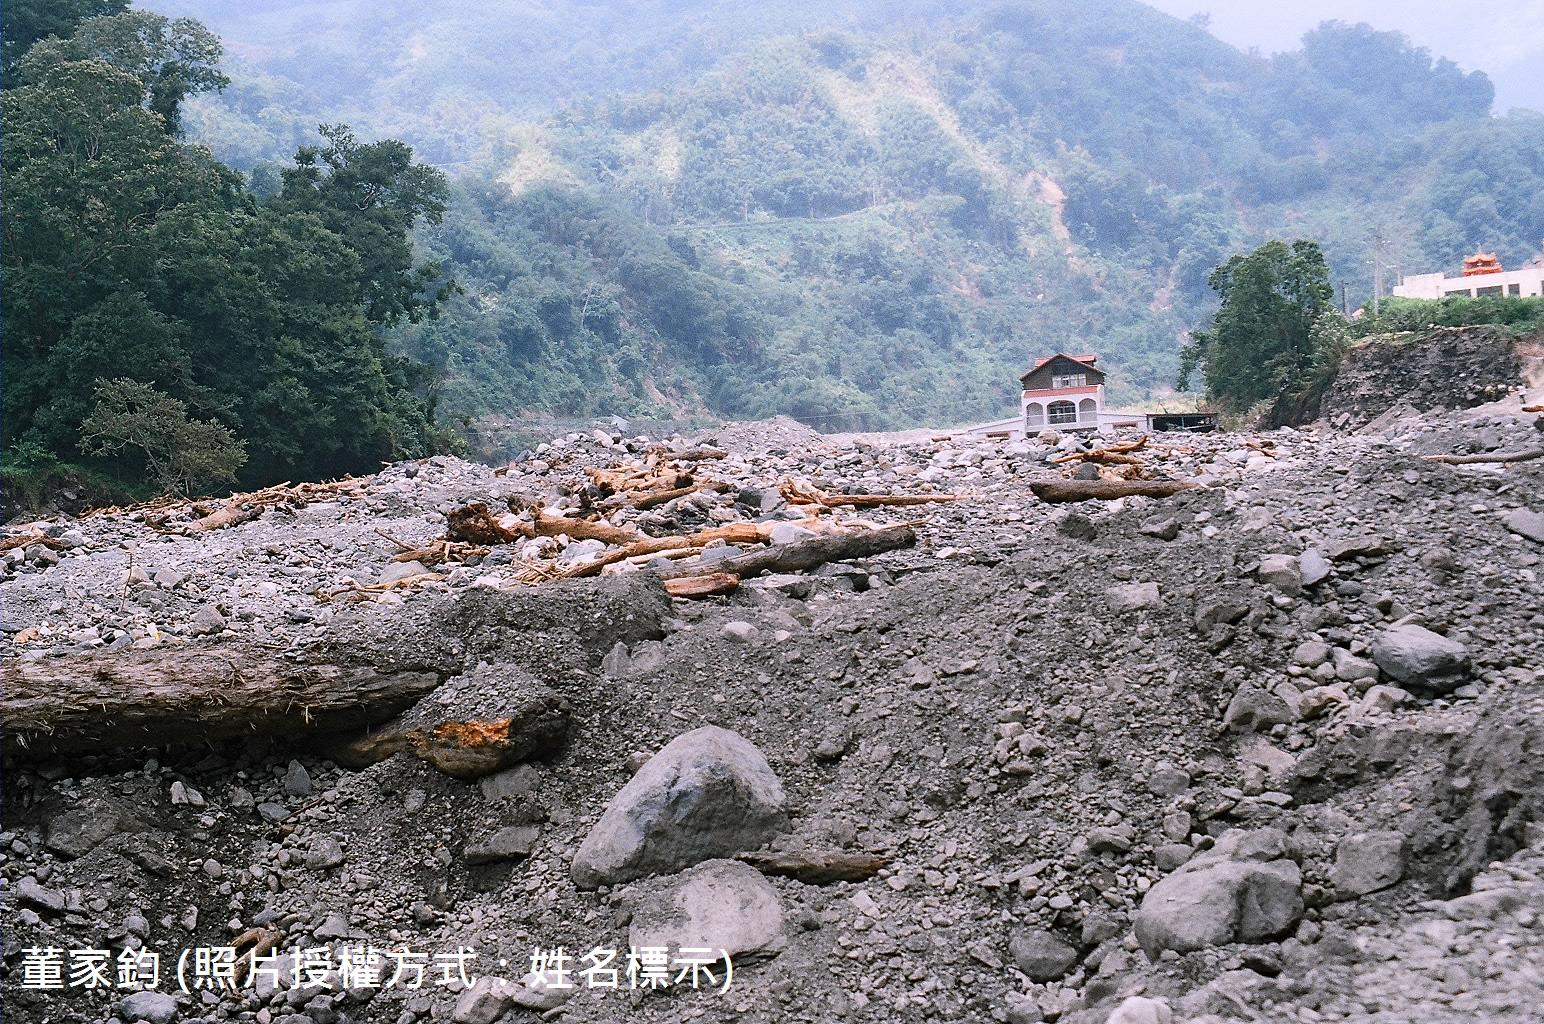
1167, 780
1313, 567
1255, 710
206, 620
297, 781
30, 892
403, 570
1525, 523
1141, 1010
739, 630
1283, 572
507, 844
1130, 597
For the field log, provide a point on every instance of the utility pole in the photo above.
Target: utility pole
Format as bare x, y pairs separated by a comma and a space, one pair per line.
1345, 310
1379, 243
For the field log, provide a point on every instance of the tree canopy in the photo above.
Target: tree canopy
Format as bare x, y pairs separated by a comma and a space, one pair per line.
131, 257
1267, 337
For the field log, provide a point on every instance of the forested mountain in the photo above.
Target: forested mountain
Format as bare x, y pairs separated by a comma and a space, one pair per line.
859, 213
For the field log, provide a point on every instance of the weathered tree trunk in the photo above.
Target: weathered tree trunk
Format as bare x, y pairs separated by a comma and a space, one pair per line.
807, 554
1106, 490
816, 867
1524, 455
173, 695
706, 585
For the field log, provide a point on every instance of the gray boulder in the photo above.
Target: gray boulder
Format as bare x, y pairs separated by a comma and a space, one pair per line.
709, 793
721, 905
1525, 523
1246, 889
1421, 660
1314, 567
1368, 861
1141, 1010
1130, 597
155, 1007
1041, 955
1282, 572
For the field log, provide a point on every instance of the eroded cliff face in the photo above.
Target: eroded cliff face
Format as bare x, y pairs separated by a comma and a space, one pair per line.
1441, 368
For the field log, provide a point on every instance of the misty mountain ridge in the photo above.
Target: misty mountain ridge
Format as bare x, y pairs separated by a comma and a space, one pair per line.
862, 214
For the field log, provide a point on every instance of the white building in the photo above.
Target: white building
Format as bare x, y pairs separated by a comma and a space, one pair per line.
1482, 276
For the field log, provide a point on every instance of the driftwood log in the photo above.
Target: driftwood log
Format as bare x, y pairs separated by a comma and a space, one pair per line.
816, 867
190, 695
1524, 455
807, 554
1106, 490
707, 585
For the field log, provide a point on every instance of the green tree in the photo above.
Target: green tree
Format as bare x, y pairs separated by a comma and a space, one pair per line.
171, 59
130, 257
24, 22
180, 454
1263, 341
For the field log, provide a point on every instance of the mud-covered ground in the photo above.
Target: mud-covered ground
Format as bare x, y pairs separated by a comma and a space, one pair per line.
1036, 714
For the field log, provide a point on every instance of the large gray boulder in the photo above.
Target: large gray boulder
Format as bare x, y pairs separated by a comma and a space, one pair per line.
1421, 660
1368, 861
709, 793
721, 905
1246, 889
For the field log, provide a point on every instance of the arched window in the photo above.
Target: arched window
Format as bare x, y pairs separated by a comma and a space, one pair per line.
1034, 415
1088, 410
1062, 412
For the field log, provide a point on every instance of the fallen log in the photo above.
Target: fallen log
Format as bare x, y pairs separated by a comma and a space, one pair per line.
1523, 455
470, 749
707, 585
190, 695
1106, 490
816, 867
807, 554
801, 495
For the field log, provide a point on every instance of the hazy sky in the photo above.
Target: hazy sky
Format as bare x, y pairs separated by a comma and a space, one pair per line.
1505, 40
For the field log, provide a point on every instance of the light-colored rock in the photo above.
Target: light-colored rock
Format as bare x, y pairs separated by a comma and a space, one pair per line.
1284, 572
1313, 567
721, 905
484, 1002
709, 793
1130, 597
1368, 861
1525, 523
1141, 1010
1421, 660
155, 1007
1243, 890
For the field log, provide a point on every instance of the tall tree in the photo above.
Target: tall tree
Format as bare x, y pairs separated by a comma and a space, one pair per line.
24, 22
1263, 340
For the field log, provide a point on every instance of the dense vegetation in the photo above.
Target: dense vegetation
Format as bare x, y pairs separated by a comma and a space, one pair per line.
868, 214
167, 321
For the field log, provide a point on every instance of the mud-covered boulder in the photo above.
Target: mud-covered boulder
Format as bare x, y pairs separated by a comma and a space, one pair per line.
709, 793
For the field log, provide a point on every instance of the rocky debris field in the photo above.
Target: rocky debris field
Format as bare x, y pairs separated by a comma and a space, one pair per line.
1269, 748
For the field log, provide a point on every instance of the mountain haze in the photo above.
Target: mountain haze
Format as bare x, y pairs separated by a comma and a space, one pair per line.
865, 214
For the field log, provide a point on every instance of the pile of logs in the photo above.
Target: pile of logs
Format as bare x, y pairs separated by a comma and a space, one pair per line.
662, 477
1120, 474
163, 513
